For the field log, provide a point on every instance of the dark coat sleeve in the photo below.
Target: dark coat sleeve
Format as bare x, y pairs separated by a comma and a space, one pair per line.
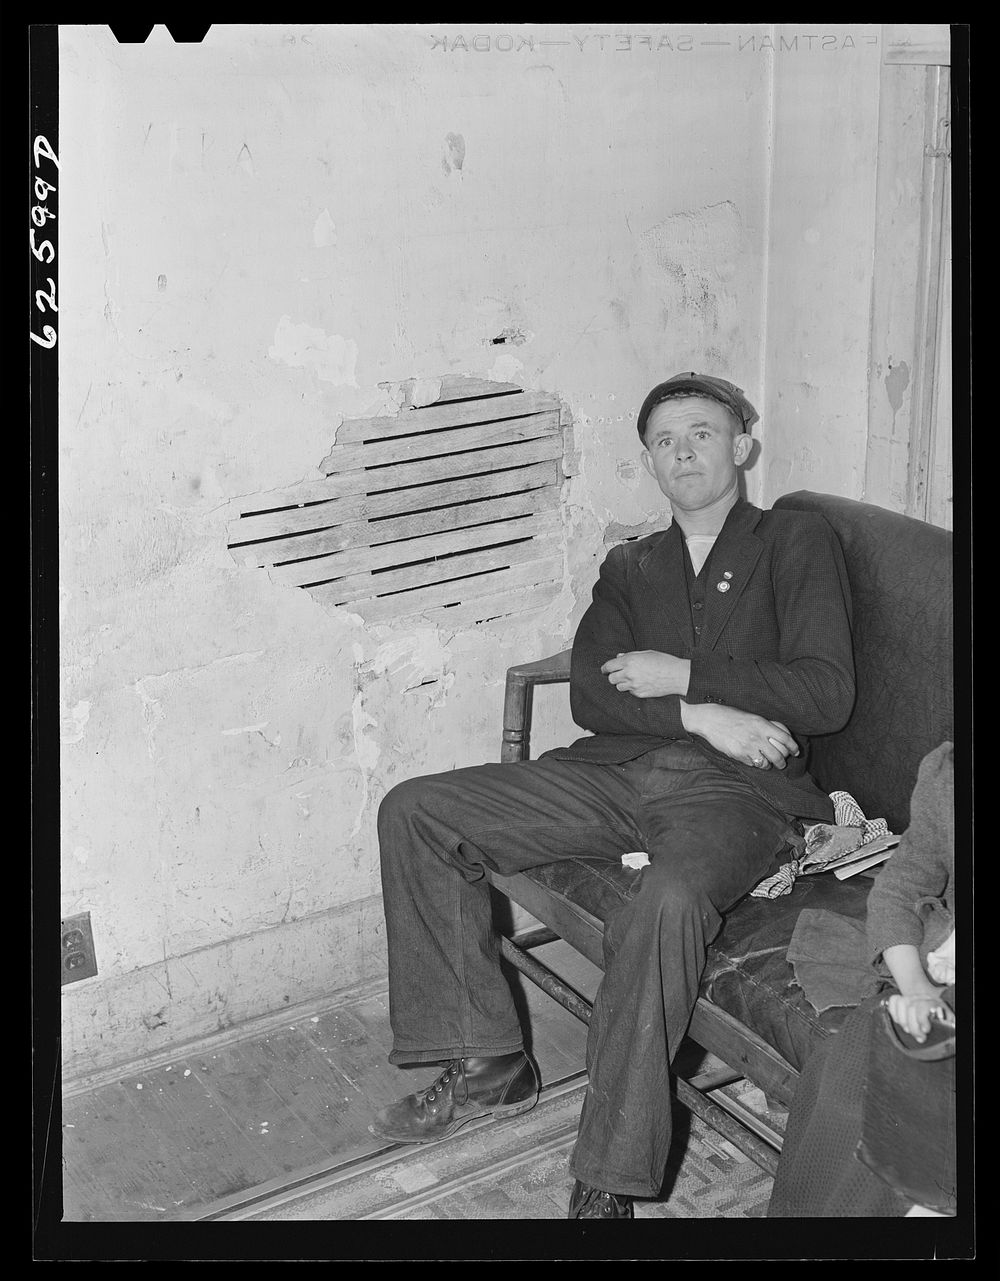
809, 684
604, 631
922, 865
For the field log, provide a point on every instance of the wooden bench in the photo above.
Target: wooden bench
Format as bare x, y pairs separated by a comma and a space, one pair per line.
751, 1013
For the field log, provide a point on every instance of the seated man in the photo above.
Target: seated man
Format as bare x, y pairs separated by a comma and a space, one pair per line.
710, 652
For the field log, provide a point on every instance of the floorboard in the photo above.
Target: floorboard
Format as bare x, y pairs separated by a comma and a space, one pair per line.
253, 1088
194, 1131
116, 1165
239, 1117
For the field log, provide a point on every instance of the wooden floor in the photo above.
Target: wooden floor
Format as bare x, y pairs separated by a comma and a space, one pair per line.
183, 1138
274, 1113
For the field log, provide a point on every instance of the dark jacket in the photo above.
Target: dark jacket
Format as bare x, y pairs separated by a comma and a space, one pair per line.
776, 642
913, 898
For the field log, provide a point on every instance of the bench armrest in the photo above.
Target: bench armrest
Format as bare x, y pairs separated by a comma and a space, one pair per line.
521, 681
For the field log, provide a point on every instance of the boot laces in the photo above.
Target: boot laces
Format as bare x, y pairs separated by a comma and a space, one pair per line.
605, 1203
454, 1070
608, 1202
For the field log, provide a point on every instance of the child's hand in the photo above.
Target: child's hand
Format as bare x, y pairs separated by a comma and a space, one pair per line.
913, 1013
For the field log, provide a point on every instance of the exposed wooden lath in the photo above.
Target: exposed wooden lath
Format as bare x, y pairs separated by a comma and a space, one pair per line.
449, 509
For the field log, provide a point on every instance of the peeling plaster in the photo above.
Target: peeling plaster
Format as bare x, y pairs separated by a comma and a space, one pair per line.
699, 251
324, 231
616, 532
257, 729
421, 659
200, 667
152, 709
366, 750
332, 357
896, 382
629, 473
152, 714
416, 662
422, 651
394, 396
425, 391
505, 368
74, 723
718, 227
454, 157
511, 334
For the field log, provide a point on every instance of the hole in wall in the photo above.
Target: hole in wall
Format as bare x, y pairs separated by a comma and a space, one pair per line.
511, 335
446, 509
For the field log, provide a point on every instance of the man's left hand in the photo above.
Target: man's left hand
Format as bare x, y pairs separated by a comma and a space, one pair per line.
647, 673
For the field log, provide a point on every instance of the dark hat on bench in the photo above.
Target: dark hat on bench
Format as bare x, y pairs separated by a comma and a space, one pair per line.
693, 384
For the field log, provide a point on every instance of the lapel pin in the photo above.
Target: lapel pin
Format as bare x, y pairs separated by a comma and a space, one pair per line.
722, 587
727, 573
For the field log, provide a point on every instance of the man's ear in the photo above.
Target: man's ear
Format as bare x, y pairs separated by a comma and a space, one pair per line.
647, 462
742, 444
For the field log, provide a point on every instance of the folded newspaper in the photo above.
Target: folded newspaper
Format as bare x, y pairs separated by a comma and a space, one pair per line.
838, 849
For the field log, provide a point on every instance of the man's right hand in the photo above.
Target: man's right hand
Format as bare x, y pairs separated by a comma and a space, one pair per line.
746, 737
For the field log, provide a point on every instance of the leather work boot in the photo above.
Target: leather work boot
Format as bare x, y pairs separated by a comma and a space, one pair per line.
501, 1086
591, 1203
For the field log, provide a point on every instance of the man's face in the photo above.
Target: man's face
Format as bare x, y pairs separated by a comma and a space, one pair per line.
693, 450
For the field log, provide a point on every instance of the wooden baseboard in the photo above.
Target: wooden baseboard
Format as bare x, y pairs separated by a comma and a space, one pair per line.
111, 1023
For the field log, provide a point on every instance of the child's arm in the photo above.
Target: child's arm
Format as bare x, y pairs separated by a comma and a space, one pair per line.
921, 868
918, 997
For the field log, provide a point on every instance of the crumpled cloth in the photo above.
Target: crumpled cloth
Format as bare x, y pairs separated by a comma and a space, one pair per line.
825, 842
830, 957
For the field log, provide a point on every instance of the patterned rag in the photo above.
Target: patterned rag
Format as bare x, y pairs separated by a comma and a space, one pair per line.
825, 842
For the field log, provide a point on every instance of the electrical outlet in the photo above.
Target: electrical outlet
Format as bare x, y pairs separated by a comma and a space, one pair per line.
78, 958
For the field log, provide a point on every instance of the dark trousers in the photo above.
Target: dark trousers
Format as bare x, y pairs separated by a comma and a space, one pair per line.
710, 837
819, 1175
871, 1131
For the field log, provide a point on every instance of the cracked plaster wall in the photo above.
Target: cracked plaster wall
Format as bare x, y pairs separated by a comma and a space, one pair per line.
263, 235
821, 249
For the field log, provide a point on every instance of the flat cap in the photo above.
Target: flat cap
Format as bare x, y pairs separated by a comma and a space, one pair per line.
692, 384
